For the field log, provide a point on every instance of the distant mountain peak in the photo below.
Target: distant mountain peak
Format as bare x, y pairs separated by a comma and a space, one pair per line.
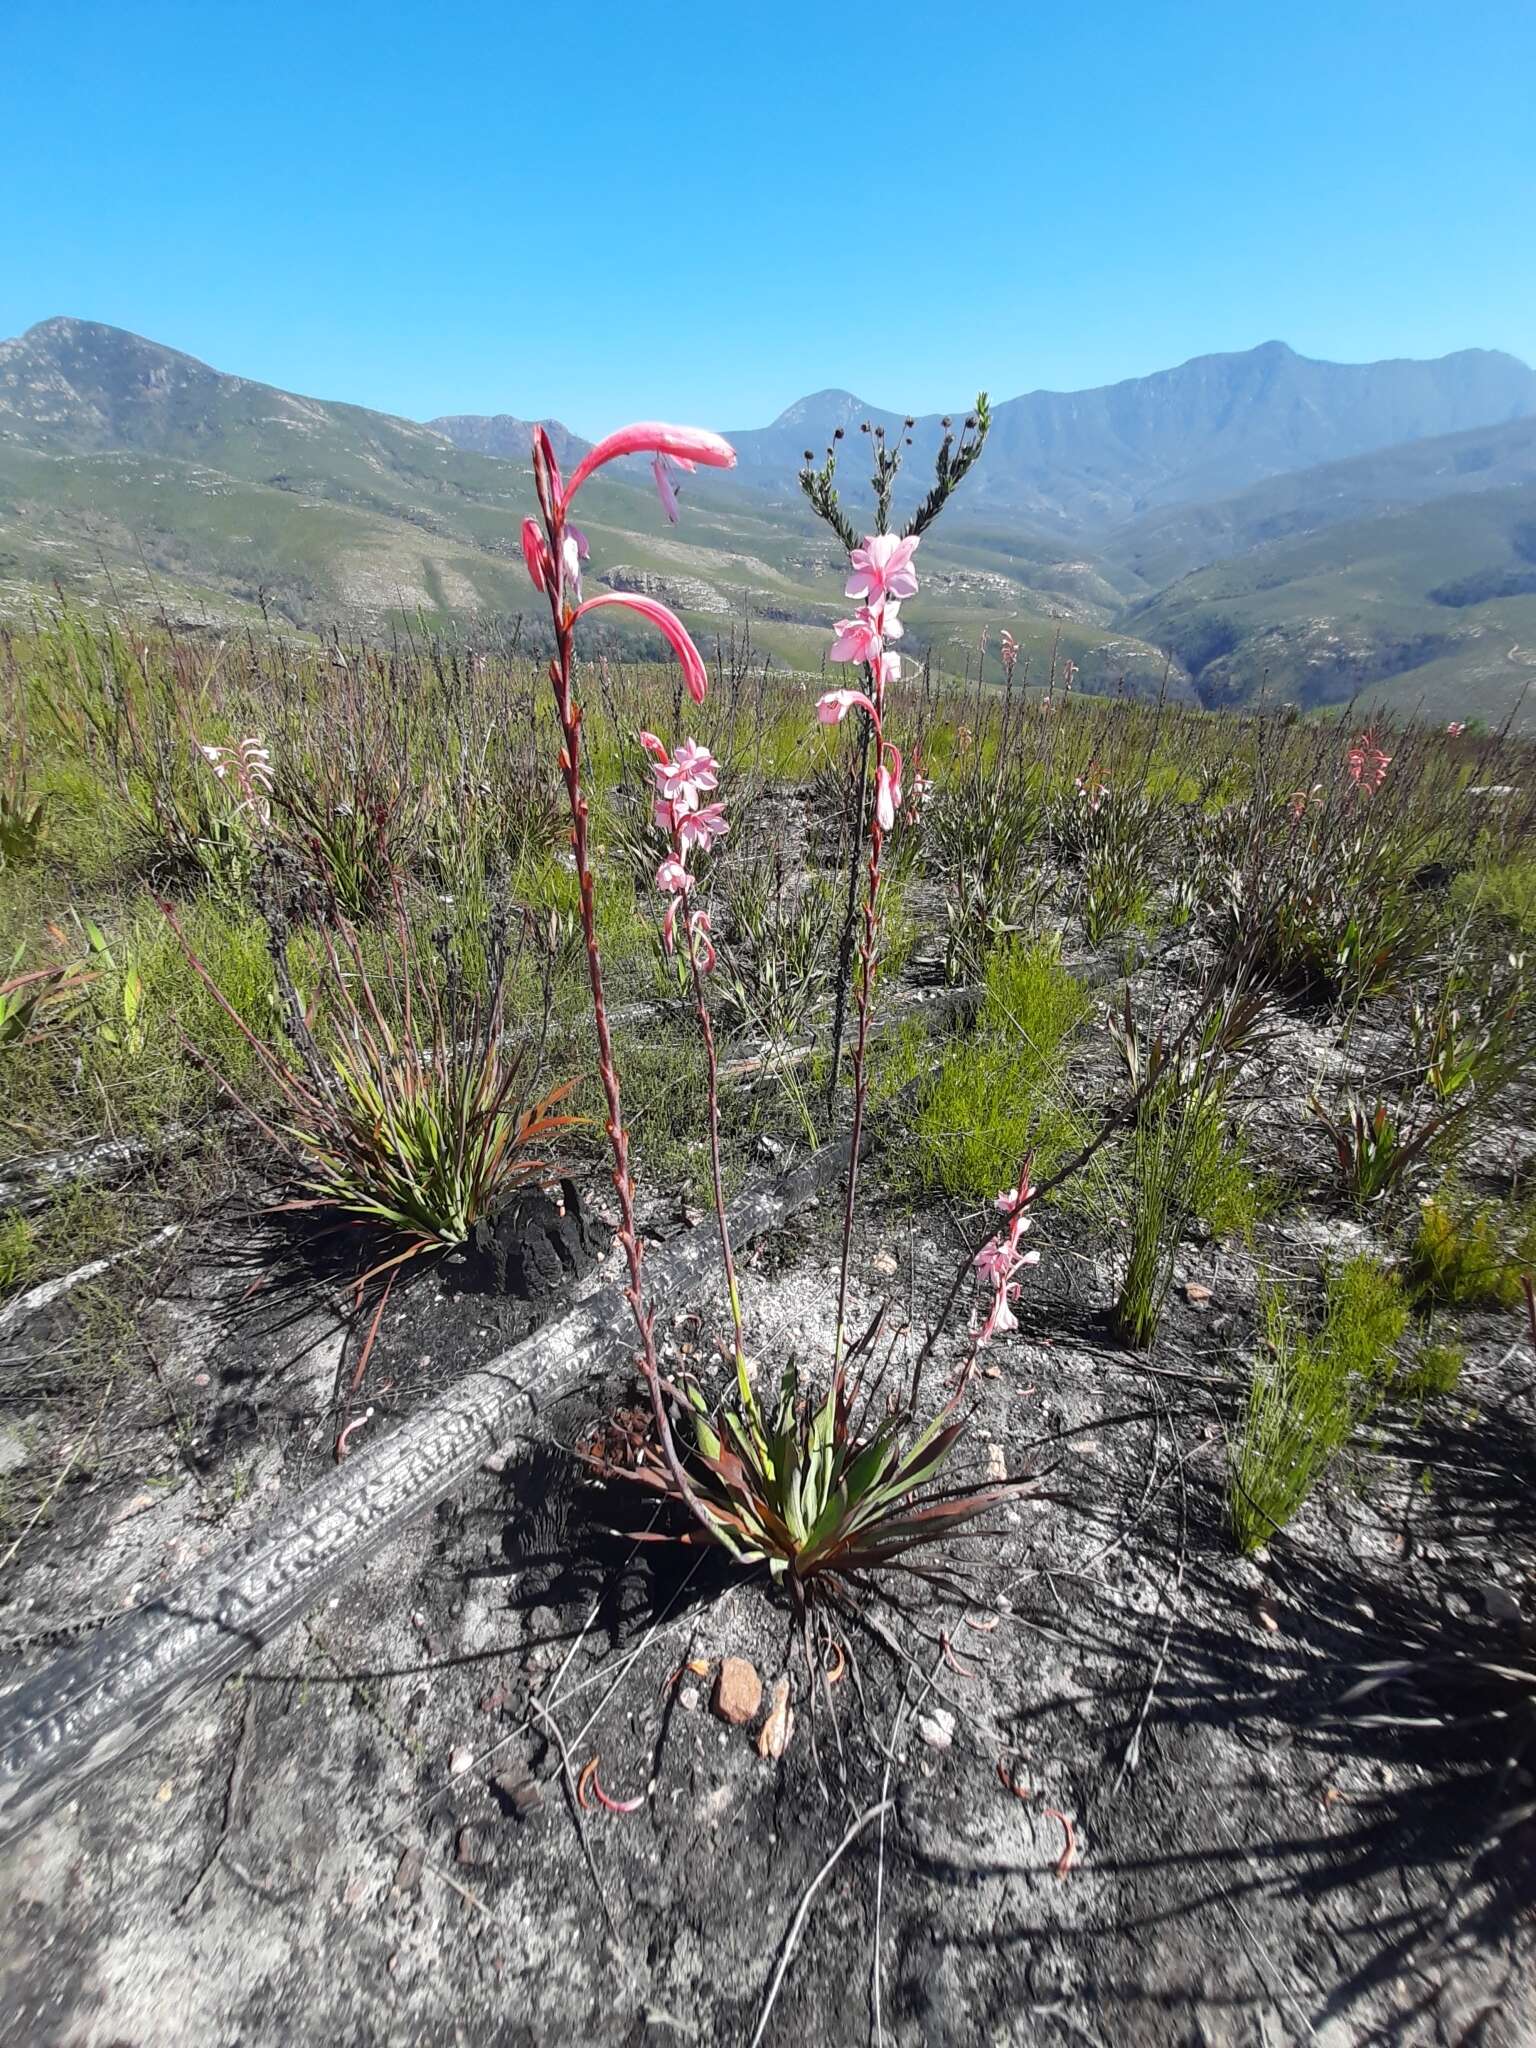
506, 435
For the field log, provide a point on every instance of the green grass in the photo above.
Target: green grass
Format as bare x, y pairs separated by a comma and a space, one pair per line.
1502, 890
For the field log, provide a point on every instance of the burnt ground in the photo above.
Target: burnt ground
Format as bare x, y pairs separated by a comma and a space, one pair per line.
371, 1836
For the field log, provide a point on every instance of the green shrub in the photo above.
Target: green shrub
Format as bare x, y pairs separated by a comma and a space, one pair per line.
1184, 1161
999, 1093
1436, 1372
1461, 1257
1504, 891
17, 1243
1307, 1396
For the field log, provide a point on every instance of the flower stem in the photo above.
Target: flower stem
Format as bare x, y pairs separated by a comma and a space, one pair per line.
727, 1258
569, 713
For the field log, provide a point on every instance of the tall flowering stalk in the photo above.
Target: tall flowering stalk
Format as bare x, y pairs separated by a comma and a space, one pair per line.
690, 826
553, 552
882, 575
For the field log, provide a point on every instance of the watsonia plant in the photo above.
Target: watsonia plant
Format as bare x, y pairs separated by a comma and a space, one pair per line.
821, 1492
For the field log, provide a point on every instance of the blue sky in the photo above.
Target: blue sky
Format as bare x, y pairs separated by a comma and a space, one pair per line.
708, 211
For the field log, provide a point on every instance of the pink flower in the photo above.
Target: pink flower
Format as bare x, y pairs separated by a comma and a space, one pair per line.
1455, 729
836, 705
882, 567
888, 788
692, 769
1366, 763
996, 1262
652, 745
1000, 1318
888, 670
672, 878
536, 555
664, 488
685, 445
665, 816
574, 552
667, 622
702, 828
858, 638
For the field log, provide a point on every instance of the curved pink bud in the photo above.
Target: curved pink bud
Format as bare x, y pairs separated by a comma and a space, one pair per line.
686, 445
546, 473
703, 945
695, 675
836, 705
536, 555
652, 745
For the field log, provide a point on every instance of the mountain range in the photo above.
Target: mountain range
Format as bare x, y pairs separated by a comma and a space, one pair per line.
1245, 521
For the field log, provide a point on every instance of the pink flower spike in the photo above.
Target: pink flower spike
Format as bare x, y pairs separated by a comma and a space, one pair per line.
695, 675
672, 878
836, 705
858, 638
664, 490
882, 567
536, 555
686, 445
703, 828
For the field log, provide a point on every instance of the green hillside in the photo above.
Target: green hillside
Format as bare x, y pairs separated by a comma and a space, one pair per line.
1433, 608
130, 472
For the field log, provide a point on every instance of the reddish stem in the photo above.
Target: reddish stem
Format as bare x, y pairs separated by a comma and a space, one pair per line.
569, 713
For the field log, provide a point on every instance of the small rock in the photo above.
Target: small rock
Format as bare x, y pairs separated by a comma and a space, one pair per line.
518, 1791
997, 1463
460, 1759
496, 1463
738, 1691
1262, 1608
1197, 1293
773, 1736
474, 1846
1501, 1604
688, 1697
885, 1262
938, 1728
408, 1870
